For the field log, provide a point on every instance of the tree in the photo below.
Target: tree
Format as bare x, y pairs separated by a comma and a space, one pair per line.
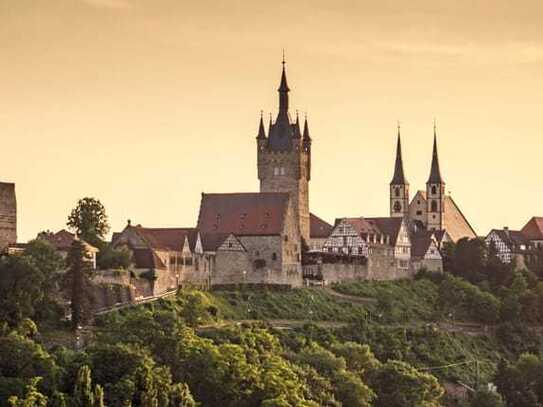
181, 396
83, 393
33, 397
398, 384
112, 258
20, 289
78, 284
486, 398
89, 220
50, 264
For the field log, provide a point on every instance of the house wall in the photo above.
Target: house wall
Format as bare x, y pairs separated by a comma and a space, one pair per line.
8, 215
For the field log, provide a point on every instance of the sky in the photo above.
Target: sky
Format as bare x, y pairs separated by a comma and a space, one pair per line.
145, 104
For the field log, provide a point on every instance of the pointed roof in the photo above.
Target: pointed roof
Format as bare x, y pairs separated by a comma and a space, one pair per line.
296, 126
261, 131
318, 228
307, 137
435, 173
283, 86
399, 177
282, 131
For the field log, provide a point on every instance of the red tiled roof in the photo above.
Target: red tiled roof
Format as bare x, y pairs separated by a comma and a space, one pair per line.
244, 214
61, 240
533, 230
172, 239
318, 228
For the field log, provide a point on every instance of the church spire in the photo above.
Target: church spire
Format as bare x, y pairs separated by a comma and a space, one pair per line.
399, 177
283, 89
261, 131
435, 173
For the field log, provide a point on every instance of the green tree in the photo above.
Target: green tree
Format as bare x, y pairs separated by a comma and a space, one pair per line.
398, 384
111, 258
32, 398
20, 289
486, 398
78, 284
181, 396
83, 392
89, 220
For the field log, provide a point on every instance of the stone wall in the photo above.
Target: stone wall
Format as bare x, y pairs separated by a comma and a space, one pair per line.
264, 261
8, 214
330, 273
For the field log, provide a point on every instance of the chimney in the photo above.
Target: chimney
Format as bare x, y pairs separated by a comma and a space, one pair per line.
506, 230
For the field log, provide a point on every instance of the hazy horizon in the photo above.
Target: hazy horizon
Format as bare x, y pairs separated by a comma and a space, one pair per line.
144, 105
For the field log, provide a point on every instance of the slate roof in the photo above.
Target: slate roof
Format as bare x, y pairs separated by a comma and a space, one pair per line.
398, 177
420, 243
533, 230
147, 259
243, 214
318, 228
388, 226
212, 241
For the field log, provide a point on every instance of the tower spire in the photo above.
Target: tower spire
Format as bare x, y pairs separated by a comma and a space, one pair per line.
435, 173
261, 131
306, 135
399, 177
283, 89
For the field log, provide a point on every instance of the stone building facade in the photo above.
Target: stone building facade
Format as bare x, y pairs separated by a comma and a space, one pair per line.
252, 238
8, 215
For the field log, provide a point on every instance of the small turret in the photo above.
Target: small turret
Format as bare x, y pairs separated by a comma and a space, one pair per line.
261, 131
435, 192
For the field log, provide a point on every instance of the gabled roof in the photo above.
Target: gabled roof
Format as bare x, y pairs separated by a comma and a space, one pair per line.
318, 228
360, 225
212, 241
243, 214
533, 230
455, 223
511, 238
147, 259
388, 226
165, 239
420, 243
172, 239
63, 240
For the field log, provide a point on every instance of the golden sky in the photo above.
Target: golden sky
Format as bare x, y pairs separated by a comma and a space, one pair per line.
144, 104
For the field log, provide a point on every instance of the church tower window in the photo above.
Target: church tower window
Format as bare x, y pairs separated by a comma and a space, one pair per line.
397, 206
433, 206
434, 190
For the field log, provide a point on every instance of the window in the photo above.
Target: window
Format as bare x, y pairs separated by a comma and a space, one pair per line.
286, 238
282, 169
275, 170
397, 206
274, 256
434, 190
419, 213
433, 206
397, 191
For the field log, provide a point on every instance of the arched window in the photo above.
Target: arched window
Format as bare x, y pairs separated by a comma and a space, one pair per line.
397, 191
434, 190
433, 206
397, 206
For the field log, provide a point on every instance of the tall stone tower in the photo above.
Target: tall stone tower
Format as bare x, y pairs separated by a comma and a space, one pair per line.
284, 158
8, 214
399, 187
435, 193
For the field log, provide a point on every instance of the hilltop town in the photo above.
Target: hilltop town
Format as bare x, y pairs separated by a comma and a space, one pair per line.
272, 238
